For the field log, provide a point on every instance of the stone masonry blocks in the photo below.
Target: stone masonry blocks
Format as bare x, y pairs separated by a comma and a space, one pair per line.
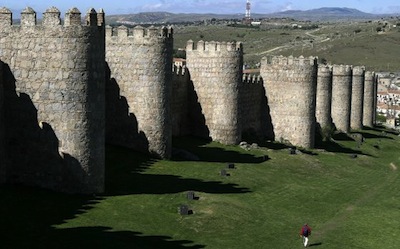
369, 99
341, 96
216, 71
324, 96
140, 61
290, 85
357, 98
59, 71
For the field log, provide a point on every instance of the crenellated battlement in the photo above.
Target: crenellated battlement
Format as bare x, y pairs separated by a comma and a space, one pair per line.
324, 69
252, 79
179, 71
139, 34
282, 60
358, 70
344, 70
51, 17
213, 46
369, 74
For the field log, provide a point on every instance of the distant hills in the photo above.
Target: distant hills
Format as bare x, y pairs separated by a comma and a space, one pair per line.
321, 14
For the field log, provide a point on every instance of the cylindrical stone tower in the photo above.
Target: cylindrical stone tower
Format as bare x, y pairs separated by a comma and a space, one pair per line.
369, 99
140, 61
376, 80
290, 86
357, 98
324, 96
341, 97
55, 100
216, 71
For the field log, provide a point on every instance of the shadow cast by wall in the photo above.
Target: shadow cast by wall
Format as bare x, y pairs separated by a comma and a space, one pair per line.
32, 148
121, 125
256, 118
28, 219
197, 147
196, 118
124, 176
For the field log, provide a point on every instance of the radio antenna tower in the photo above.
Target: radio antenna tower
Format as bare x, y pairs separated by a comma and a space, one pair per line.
248, 7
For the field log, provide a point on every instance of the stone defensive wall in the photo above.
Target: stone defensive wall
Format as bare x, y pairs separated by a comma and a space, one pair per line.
254, 109
54, 105
182, 90
290, 84
140, 64
324, 96
67, 88
357, 98
341, 96
369, 102
216, 71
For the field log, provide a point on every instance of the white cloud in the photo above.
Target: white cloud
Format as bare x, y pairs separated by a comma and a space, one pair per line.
287, 6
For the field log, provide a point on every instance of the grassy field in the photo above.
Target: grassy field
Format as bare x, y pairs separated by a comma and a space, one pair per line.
350, 202
352, 43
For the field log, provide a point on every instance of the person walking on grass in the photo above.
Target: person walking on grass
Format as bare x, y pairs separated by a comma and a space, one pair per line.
304, 233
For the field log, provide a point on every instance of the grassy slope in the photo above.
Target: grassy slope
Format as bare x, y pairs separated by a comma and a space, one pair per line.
338, 43
350, 203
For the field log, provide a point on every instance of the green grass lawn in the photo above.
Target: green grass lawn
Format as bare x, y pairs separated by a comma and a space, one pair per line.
349, 202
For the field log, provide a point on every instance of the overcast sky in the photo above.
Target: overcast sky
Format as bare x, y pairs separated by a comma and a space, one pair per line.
202, 6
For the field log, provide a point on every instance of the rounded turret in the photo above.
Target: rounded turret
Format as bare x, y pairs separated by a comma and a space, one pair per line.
60, 69
290, 86
216, 72
324, 96
341, 96
369, 99
147, 52
357, 98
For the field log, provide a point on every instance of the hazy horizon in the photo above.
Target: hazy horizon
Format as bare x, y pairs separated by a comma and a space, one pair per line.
203, 6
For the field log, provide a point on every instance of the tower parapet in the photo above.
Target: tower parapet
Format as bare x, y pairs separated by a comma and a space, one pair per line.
290, 86
216, 71
5, 17
52, 17
369, 99
73, 17
60, 69
147, 53
341, 96
324, 96
357, 98
28, 17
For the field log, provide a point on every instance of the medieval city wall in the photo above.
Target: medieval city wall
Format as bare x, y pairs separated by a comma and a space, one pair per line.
140, 64
324, 97
66, 88
215, 69
341, 96
54, 105
369, 99
290, 86
253, 106
357, 98
180, 102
